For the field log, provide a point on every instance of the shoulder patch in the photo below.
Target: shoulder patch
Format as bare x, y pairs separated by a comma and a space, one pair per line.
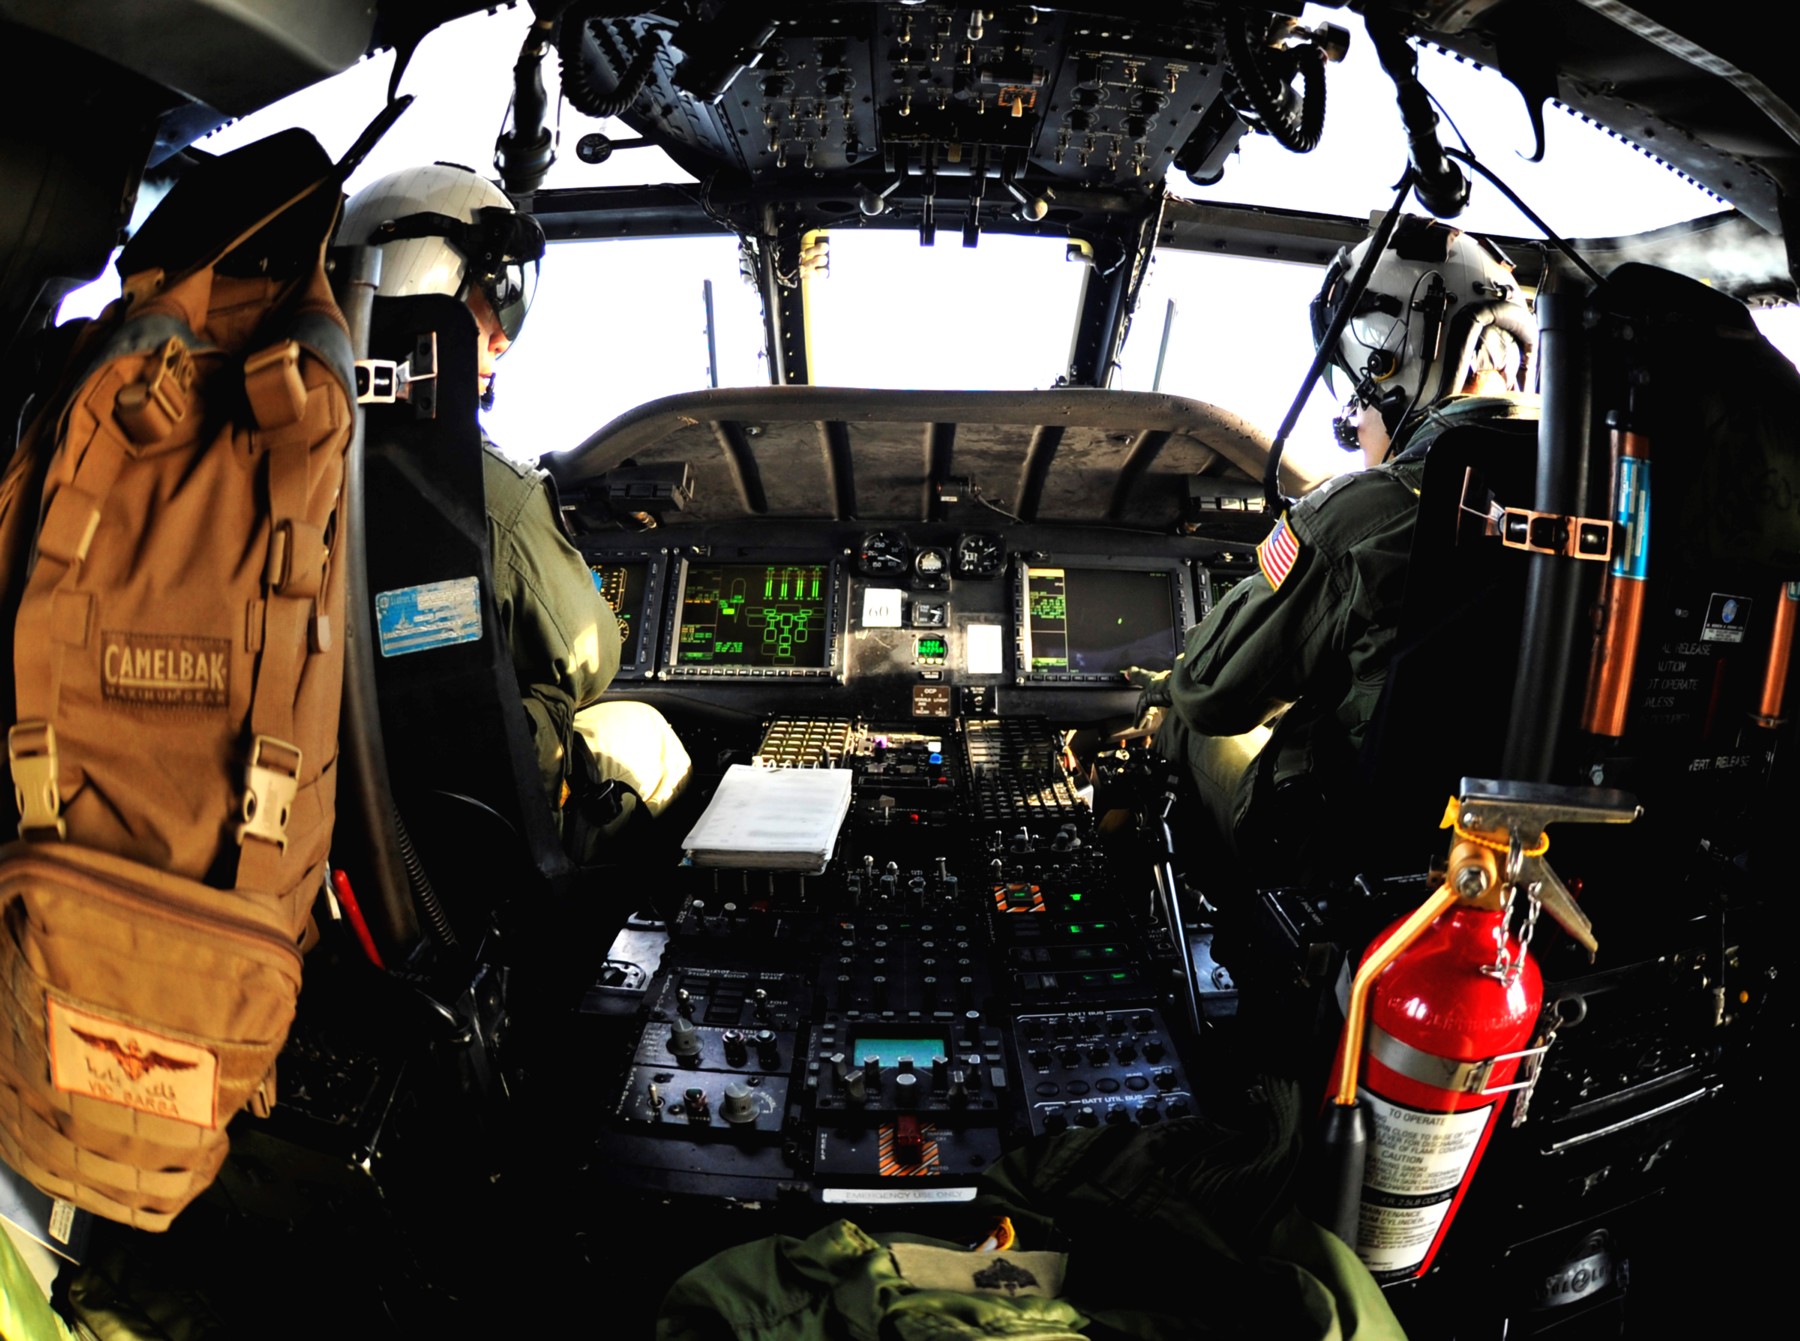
1277, 554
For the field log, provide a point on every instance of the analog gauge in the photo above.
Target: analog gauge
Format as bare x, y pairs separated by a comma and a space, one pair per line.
979, 555
882, 554
931, 566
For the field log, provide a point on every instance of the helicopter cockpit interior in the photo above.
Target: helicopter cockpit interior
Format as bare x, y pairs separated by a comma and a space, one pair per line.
934, 939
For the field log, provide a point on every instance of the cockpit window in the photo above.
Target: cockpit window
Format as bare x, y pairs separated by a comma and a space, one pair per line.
1237, 337
617, 324
992, 317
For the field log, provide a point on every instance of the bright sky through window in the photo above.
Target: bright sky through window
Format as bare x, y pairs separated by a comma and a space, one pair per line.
619, 323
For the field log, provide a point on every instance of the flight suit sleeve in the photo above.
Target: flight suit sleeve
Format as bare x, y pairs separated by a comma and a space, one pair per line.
1317, 616
564, 637
1258, 648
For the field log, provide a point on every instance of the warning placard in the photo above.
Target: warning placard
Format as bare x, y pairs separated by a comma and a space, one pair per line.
1416, 1162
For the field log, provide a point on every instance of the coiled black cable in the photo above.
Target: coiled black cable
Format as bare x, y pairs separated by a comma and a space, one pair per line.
421, 884
1296, 120
578, 52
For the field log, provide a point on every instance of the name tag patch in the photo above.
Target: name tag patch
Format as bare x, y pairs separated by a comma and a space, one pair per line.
110, 1060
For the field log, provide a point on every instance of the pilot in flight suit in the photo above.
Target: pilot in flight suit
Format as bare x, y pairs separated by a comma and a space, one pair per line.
1281, 678
443, 229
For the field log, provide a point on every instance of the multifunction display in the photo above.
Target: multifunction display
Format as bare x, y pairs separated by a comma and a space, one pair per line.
754, 616
1088, 624
622, 583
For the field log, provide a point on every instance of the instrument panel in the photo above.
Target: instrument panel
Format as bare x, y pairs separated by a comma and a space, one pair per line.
892, 610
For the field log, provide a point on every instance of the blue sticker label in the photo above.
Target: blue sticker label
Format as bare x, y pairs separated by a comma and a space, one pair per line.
1631, 555
438, 614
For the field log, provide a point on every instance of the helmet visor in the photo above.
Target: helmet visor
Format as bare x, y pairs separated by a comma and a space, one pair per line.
503, 255
509, 293
500, 250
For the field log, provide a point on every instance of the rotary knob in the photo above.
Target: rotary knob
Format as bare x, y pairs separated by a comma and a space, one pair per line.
738, 1106
684, 1039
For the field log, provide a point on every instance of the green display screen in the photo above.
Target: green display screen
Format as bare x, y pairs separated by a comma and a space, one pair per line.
933, 649
755, 614
1099, 621
889, 1051
622, 584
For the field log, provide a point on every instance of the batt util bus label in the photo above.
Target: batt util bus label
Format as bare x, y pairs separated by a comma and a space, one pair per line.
1417, 1160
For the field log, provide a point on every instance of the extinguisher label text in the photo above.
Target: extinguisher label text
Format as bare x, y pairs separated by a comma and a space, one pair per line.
1417, 1160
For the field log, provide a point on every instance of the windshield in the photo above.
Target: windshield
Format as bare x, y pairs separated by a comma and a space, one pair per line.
620, 322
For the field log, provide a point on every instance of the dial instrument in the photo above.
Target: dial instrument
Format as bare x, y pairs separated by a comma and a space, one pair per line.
980, 554
931, 566
882, 554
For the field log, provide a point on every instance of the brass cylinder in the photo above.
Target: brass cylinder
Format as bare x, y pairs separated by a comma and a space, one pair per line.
1781, 650
1615, 647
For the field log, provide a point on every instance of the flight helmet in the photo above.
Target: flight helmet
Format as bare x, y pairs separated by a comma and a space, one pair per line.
1441, 304
443, 229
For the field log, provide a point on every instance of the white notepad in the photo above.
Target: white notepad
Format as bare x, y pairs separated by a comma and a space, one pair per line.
773, 819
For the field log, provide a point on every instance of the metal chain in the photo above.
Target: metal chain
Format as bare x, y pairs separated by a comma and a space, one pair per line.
1503, 967
1534, 905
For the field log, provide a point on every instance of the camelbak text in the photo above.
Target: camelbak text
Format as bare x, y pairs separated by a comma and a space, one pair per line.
168, 670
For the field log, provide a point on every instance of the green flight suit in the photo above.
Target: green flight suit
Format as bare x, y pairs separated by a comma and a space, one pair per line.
1303, 647
564, 637
1168, 1233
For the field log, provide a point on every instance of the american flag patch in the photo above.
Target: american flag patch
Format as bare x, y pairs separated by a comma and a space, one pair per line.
1276, 555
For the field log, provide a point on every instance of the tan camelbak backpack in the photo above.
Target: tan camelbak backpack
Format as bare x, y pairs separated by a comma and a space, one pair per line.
168, 528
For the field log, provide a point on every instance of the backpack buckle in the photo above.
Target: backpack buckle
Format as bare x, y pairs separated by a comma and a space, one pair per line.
31, 750
149, 409
271, 781
274, 387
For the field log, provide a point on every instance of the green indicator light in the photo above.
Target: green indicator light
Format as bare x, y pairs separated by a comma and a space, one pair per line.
1075, 898
1074, 930
1118, 977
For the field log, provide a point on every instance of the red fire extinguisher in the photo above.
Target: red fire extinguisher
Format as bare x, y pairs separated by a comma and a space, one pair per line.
1449, 1022
1440, 1024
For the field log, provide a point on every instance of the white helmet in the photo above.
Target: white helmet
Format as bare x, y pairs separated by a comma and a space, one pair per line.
443, 229
1439, 305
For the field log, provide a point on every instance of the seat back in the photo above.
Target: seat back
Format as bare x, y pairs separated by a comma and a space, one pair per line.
1443, 711
458, 743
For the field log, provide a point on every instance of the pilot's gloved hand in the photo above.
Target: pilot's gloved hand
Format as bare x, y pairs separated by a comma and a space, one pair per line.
1152, 687
1153, 698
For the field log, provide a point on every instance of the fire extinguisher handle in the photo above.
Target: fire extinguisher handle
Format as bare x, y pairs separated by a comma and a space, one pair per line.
1518, 813
1556, 900
1528, 808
